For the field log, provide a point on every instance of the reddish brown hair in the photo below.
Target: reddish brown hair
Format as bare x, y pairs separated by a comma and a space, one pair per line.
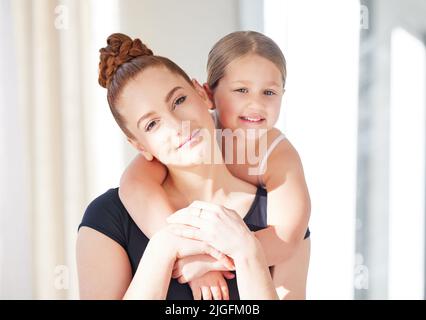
122, 60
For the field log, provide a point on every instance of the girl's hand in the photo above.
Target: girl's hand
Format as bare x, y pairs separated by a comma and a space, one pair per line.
211, 285
193, 267
218, 226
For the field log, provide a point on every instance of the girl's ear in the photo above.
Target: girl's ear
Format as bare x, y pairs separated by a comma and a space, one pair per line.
148, 156
203, 93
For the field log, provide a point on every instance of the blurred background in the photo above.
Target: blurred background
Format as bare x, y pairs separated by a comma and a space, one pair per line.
354, 108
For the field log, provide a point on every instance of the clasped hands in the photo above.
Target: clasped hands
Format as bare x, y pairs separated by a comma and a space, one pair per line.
208, 239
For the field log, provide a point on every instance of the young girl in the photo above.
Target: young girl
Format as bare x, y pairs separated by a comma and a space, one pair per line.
246, 80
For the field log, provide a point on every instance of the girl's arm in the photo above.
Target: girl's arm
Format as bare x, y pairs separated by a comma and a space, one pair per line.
288, 209
143, 196
289, 204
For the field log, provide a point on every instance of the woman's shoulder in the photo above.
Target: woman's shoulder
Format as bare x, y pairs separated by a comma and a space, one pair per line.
106, 202
107, 215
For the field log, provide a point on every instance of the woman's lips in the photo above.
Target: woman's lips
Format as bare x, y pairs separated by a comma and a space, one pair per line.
193, 135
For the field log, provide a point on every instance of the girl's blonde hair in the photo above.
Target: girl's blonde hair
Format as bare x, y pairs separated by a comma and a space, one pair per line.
238, 44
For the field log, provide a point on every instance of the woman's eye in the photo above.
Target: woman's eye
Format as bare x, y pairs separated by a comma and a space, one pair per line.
242, 90
269, 92
150, 126
179, 101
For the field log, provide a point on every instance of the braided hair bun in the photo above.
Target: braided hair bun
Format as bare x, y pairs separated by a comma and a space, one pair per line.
120, 49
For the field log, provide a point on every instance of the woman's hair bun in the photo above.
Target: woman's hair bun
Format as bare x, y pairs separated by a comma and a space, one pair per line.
120, 49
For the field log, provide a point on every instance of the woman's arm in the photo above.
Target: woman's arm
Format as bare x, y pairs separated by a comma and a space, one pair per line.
144, 198
104, 270
254, 278
152, 278
100, 258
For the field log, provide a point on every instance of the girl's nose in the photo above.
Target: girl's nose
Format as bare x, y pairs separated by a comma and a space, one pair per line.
256, 103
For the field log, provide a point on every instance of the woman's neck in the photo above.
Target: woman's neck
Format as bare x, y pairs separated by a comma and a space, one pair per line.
211, 183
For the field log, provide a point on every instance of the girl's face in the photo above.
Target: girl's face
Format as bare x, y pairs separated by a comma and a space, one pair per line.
168, 117
250, 93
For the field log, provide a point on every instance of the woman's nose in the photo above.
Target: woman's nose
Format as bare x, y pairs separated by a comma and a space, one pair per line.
181, 127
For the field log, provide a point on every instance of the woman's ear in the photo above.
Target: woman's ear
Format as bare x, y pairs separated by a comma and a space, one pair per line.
208, 91
148, 156
203, 93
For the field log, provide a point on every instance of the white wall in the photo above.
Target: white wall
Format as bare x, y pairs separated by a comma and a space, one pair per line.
183, 31
319, 115
15, 247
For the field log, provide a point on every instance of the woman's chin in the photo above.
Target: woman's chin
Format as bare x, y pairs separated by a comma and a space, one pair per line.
186, 158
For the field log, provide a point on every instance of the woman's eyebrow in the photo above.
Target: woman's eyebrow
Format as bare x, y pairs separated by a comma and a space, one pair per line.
171, 92
146, 115
149, 114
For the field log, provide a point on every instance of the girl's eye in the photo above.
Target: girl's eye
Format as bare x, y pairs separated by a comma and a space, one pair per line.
150, 125
269, 92
242, 90
179, 101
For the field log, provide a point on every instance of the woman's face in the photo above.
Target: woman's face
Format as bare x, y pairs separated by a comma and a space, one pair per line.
168, 117
250, 93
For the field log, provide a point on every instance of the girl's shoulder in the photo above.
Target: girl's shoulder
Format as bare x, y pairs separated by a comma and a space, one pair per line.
273, 134
271, 142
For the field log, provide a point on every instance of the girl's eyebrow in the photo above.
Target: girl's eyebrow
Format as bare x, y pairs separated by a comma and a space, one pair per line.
273, 83
246, 82
241, 81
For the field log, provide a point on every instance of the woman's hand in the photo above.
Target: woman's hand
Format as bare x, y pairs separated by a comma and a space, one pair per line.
193, 267
211, 285
218, 226
167, 240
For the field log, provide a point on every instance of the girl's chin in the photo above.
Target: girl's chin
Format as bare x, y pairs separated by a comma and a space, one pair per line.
248, 131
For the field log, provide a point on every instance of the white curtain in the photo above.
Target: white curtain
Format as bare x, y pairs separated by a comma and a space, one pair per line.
59, 145
58, 140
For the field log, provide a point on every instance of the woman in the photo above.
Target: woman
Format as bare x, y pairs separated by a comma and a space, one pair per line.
165, 116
